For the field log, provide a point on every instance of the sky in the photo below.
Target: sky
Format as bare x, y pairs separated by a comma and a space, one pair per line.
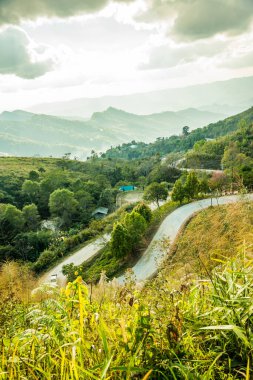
60, 50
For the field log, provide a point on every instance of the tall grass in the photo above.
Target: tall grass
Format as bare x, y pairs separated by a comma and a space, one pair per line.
202, 331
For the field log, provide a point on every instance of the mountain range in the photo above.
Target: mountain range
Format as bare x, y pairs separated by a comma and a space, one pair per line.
226, 97
27, 134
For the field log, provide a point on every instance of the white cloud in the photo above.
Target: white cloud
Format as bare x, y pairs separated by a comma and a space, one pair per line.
111, 51
21, 56
170, 55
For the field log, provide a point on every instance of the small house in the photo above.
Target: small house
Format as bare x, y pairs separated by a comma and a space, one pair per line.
127, 188
100, 212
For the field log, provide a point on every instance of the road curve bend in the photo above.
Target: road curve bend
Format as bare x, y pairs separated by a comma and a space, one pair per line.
147, 265
77, 258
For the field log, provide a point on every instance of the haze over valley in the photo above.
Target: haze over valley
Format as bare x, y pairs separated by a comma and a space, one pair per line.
83, 125
223, 97
27, 134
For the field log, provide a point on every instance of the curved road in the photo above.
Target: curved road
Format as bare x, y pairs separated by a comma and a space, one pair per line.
147, 266
77, 258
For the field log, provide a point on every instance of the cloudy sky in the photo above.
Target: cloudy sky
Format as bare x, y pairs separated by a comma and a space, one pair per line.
59, 50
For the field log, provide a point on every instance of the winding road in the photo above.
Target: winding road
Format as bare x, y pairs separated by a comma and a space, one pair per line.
147, 266
79, 257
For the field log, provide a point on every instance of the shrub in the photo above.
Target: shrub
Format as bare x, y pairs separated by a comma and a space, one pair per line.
45, 260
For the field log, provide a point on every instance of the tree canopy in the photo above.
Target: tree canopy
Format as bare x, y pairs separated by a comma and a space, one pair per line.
156, 192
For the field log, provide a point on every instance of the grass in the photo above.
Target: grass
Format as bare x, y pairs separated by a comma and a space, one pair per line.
21, 166
201, 332
212, 235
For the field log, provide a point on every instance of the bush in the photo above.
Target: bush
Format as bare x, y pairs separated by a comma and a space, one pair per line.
46, 258
144, 211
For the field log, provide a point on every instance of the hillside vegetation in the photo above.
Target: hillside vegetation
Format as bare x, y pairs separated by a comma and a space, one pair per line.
202, 331
217, 153
183, 142
46, 205
234, 153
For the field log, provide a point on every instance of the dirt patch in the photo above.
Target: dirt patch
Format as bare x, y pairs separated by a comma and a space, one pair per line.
129, 197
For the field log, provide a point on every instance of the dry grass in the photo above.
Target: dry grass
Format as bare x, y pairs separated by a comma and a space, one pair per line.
21, 166
212, 236
16, 282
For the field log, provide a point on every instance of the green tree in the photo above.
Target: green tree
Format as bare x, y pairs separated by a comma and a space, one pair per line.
11, 222
33, 175
29, 245
31, 217
53, 180
93, 188
31, 190
86, 204
162, 173
144, 211
191, 186
203, 186
178, 192
107, 198
247, 176
156, 192
119, 240
186, 130
62, 204
136, 226
229, 157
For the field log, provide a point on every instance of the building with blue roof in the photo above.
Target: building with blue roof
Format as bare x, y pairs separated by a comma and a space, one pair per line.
127, 188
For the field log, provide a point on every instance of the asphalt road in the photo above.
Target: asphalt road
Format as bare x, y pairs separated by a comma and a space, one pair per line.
77, 258
147, 266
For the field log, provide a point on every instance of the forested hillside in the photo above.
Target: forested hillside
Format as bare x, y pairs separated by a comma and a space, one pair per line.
64, 192
183, 142
234, 153
48, 203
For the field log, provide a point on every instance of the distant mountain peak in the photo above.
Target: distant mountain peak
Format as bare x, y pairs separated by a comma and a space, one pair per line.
110, 111
16, 115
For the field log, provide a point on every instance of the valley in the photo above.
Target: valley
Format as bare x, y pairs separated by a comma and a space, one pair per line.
27, 134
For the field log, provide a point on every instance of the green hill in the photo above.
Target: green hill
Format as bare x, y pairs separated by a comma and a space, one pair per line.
182, 143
